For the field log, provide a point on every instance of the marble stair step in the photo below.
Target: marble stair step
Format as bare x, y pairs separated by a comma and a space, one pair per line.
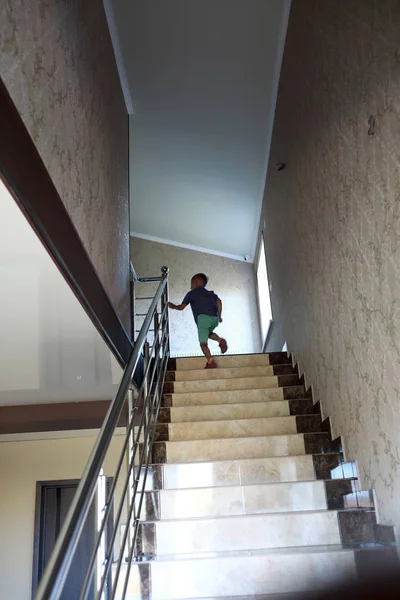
257, 574
215, 385
237, 428
229, 373
245, 410
232, 361
228, 448
230, 473
234, 500
249, 574
244, 532
205, 398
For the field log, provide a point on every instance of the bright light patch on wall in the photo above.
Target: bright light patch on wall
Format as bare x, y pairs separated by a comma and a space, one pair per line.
284, 349
264, 299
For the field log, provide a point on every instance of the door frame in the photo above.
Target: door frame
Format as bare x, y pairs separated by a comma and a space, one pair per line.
37, 528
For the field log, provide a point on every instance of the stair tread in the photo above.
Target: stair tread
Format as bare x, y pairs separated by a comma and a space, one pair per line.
285, 514
241, 419
252, 437
230, 460
321, 549
244, 485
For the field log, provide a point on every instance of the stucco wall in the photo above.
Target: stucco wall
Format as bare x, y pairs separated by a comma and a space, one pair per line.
22, 464
232, 280
57, 61
332, 225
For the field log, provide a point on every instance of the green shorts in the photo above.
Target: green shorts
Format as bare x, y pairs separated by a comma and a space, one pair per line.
206, 325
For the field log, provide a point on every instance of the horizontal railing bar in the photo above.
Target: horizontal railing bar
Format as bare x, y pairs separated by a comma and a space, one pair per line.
54, 576
144, 297
137, 279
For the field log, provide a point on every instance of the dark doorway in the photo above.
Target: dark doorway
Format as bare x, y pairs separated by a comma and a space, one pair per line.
53, 499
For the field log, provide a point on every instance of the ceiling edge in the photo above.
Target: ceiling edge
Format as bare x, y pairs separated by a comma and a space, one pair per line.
152, 238
274, 95
112, 27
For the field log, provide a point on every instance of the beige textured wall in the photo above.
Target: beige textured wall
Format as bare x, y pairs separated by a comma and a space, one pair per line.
22, 464
232, 280
57, 62
332, 224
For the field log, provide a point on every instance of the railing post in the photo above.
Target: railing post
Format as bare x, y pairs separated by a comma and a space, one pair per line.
129, 454
164, 302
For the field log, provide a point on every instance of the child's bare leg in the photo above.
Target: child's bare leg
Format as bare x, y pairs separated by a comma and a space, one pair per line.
206, 351
222, 343
215, 337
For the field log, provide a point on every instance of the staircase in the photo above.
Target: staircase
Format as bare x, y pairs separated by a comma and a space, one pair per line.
247, 492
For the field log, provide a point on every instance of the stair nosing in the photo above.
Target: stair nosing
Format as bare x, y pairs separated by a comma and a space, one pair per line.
295, 550
245, 485
241, 419
239, 485
284, 387
229, 460
245, 437
266, 402
324, 511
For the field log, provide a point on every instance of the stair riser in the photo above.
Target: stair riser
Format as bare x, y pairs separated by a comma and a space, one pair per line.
209, 375
225, 412
232, 429
237, 428
228, 449
245, 575
244, 360
240, 533
224, 397
220, 412
229, 501
221, 385
231, 473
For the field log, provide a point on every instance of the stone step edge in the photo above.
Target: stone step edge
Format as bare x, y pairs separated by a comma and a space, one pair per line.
256, 402
210, 462
292, 550
284, 387
241, 485
315, 415
245, 437
291, 513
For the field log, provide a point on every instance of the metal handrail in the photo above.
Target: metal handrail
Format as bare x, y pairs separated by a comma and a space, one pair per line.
56, 572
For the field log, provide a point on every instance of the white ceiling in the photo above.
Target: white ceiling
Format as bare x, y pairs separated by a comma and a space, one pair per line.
202, 78
49, 349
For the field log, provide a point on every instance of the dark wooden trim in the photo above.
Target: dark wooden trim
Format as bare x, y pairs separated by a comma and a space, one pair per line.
64, 416
25, 175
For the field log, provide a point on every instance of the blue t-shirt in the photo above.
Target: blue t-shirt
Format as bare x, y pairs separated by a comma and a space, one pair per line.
202, 302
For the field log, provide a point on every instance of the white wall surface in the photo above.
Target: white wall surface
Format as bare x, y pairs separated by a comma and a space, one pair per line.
232, 280
49, 349
22, 464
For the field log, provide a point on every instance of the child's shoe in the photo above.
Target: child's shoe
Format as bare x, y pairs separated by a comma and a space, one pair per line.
211, 364
223, 345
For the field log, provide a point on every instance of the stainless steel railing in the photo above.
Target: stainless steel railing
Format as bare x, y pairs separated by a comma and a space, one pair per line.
105, 579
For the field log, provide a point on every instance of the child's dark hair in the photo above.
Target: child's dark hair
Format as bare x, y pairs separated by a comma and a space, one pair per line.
201, 277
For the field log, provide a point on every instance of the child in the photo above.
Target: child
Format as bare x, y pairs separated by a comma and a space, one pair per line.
207, 311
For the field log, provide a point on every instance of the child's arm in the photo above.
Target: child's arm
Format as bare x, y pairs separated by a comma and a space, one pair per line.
219, 307
177, 306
